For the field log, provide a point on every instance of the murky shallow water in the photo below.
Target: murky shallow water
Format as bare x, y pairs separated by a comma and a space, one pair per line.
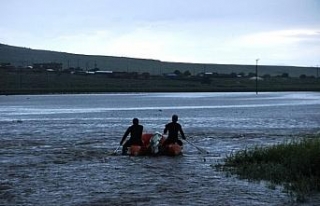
56, 149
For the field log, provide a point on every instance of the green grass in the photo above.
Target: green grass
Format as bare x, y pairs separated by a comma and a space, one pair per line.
294, 165
28, 82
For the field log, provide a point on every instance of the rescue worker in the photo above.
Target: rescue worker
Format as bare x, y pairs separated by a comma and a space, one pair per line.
135, 131
174, 128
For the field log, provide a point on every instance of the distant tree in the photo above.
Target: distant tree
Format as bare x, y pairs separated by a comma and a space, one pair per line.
133, 75
303, 76
251, 74
284, 75
266, 76
145, 75
242, 74
177, 72
215, 74
187, 73
233, 75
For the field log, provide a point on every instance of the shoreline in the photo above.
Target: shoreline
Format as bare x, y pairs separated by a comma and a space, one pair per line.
142, 91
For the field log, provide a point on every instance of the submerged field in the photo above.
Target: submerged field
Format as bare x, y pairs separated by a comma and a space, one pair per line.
50, 82
57, 149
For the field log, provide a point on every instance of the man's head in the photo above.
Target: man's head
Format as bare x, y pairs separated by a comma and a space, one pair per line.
174, 118
135, 121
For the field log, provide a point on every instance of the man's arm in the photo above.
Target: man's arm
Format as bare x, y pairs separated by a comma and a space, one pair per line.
125, 135
165, 129
182, 133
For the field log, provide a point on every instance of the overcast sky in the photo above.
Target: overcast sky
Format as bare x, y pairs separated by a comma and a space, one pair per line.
278, 32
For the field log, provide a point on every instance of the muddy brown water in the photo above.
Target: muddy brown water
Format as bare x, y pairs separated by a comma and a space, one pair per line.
57, 149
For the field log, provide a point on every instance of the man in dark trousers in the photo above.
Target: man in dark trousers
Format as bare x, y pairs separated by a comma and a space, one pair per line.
135, 132
174, 128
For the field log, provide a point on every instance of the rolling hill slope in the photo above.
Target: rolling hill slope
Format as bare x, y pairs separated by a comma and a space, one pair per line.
20, 56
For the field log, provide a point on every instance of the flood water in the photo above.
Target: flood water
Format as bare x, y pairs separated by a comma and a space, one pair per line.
57, 149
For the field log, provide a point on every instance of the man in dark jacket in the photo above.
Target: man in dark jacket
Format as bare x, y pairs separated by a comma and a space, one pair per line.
135, 132
174, 128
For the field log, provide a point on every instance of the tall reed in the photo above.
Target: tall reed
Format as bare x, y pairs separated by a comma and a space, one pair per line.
295, 165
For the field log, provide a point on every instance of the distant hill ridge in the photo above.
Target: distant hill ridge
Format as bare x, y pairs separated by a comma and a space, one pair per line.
21, 56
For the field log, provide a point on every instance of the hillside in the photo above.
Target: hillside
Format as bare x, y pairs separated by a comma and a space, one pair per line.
19, 56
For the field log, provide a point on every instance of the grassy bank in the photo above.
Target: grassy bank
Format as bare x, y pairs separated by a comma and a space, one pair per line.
294, 165
48, 82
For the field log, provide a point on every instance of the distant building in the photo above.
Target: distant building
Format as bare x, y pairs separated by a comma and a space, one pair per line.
104, 72
47, 66
6, 66
256, 78
170, 75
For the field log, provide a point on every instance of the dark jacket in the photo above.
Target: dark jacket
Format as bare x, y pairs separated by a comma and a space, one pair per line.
135, 132
174, 128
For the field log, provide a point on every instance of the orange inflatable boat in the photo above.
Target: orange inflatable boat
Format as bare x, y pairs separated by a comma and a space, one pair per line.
152, 145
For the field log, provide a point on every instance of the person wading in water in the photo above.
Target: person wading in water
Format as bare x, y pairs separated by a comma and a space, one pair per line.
135, 131
174, 128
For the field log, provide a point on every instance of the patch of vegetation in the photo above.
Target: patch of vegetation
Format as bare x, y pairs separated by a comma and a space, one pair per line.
31, 82
294, 165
